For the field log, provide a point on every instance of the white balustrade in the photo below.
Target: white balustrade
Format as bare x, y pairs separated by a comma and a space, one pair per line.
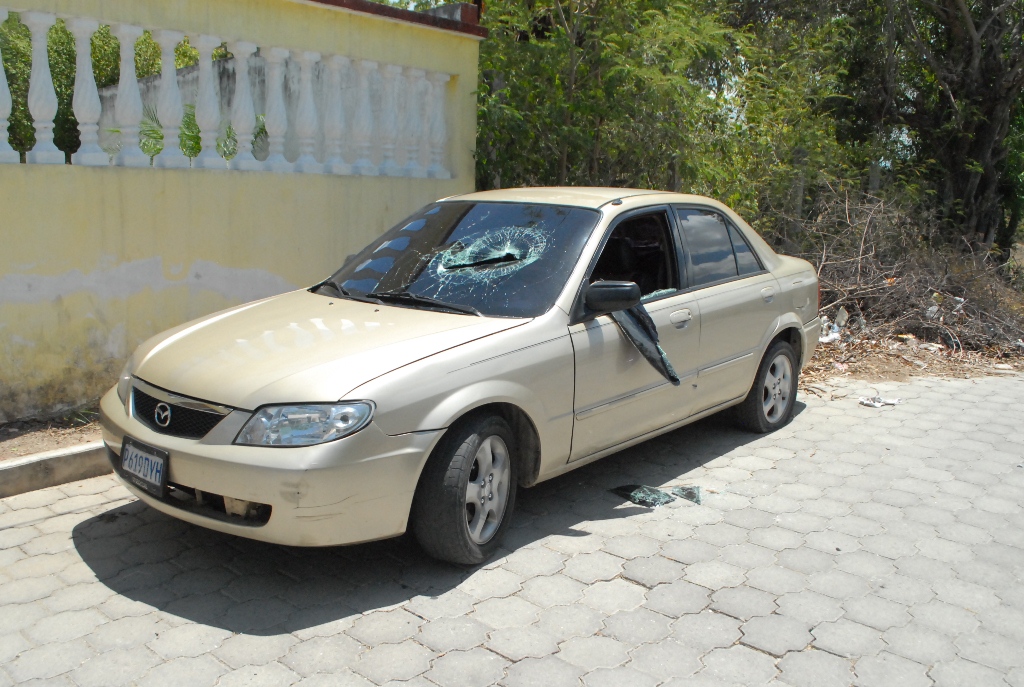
128, 109
438, 134
307, 123
390, 75
86, 101
207, 106
413, 110
362, 131
372, 118
169, 109
42, 98
334, 115
276, 118
8, 155
243, 113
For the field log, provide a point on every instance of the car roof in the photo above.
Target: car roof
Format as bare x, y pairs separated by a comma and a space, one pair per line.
587, 197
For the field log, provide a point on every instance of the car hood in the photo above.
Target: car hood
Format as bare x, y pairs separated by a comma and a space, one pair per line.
299, 347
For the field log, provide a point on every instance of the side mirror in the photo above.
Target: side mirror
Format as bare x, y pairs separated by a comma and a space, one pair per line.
611, 296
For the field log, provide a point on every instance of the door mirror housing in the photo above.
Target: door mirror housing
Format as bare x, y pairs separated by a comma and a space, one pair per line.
611, 296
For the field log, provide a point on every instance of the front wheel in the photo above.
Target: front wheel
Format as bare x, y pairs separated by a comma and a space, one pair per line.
467, 492
769, 405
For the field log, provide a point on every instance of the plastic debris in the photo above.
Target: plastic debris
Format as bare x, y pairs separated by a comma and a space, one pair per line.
842, 317
648, 497
829, 331
878, 401
688, 493
1002, 366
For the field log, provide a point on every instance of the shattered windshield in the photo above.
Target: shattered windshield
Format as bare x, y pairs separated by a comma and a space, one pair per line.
500, 259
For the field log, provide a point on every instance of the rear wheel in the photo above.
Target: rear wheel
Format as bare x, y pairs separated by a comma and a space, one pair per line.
769, 405
467, 492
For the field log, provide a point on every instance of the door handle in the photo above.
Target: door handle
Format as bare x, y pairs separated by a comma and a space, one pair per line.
768, 294
681, 318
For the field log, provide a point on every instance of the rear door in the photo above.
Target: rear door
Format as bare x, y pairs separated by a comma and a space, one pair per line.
619, 395
736, 298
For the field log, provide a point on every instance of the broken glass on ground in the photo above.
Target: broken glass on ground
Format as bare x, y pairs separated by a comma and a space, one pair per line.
689, 493
878, 401
641, 495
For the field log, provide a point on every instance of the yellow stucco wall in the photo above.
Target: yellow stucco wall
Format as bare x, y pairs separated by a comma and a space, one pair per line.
95, 260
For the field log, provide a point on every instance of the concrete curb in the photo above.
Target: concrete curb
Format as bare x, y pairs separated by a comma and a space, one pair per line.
50, 468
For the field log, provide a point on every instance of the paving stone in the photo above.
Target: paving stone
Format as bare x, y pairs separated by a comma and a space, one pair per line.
517, 643
552, 590
254, 650
389, 627
690, 551
535, 561
63, 627
612, 596
497, 582
847, 638
452, 633
904, 590
706, 630
747, 555
776, 538
593, 652
652, 570
450, 604
919, 644
743, 602
665, 659
269, 675
549, 671
631, 546
616, 677
394, 661
201, 670
638, 626
467, 669
812, 668
563, 622
740, 665
968, 595
714, 574
960, 673
990, 649
805, 560
889, 670
776, 579
678, 598
776, 634
323, 655
809, 607
838, 584
188, 640
512, 611
115, 667
946, 618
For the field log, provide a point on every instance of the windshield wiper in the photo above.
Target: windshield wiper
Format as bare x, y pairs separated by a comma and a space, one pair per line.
407, 297
507, 257
343, 292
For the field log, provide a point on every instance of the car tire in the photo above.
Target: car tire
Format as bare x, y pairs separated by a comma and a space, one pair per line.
467, 492
770, 402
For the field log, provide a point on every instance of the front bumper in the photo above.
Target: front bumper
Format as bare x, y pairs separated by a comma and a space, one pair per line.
352, 490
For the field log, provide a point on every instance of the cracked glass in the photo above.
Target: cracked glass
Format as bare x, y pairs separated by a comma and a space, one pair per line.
500, 259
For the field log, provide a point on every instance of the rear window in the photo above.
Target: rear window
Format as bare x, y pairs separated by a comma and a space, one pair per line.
707, 241
746, 260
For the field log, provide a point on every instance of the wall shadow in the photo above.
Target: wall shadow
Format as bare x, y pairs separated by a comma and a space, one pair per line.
250, 587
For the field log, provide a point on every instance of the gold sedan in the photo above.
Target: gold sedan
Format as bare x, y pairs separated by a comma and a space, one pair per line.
489, 341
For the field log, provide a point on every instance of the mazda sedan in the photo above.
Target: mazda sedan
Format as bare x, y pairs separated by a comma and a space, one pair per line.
488, 342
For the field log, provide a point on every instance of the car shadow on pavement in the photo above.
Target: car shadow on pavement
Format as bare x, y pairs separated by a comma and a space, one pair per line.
249, 587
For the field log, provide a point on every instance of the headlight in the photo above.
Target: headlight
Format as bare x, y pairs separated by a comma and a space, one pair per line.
304, 425
124, 382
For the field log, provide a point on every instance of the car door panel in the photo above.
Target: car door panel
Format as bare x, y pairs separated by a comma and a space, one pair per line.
619, 395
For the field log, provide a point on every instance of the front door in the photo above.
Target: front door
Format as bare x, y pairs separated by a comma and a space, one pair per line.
619, 395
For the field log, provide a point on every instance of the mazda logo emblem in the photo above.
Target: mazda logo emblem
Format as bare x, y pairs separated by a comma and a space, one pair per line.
162, 414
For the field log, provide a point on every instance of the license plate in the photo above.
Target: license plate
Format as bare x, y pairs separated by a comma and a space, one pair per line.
145, 466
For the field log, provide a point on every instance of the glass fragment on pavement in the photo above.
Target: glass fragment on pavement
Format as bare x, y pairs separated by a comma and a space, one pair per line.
689, 493
878, 401
641, 495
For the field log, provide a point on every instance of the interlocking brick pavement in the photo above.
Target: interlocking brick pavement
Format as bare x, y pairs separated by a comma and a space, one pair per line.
856, 546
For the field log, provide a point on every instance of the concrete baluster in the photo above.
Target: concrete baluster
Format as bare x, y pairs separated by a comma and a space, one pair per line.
362, 131
42, 99
86, 100
128, 107
243, 113
437, 134
276, 117
8, 155
168, 105
334, 116
413, 129
207, 106
389, 117
307, 122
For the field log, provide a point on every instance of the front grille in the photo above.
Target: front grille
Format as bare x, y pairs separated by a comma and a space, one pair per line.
187, 423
